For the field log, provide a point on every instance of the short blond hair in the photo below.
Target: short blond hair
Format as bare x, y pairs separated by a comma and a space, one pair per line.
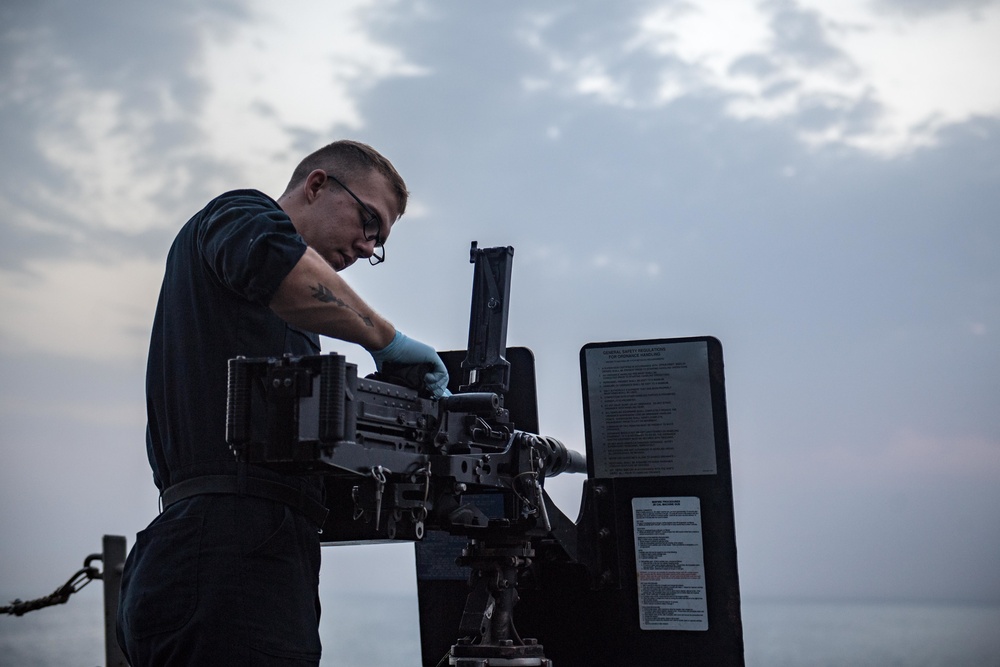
348, 160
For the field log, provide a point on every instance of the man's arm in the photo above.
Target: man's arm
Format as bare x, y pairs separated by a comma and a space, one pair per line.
315, 298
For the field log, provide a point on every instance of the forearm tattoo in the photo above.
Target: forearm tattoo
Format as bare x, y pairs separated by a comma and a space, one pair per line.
322, 293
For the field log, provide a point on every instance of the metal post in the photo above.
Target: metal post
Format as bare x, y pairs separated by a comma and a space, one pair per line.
114, 562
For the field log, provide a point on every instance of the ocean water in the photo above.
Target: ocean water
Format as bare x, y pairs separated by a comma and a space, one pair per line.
362, 631
870, 634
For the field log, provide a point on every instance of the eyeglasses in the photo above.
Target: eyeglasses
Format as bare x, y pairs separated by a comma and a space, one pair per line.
370, 225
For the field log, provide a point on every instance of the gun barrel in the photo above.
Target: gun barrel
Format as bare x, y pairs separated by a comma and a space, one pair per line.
557, 457
577, 462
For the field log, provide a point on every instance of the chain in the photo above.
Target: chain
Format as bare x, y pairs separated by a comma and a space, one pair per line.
81, 578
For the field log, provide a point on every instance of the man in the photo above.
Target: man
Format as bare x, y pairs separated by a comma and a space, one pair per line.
228, 573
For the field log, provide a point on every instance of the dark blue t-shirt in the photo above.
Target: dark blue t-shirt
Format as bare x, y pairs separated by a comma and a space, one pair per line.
222, 270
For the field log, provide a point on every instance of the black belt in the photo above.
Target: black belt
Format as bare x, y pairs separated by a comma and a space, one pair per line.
314, 510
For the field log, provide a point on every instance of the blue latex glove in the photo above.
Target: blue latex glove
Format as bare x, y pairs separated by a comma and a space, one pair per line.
406, 351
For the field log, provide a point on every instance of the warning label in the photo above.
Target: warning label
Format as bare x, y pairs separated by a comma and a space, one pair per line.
670, 563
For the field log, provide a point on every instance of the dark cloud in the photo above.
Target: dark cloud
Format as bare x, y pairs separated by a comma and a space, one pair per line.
801, 35
145, 56
920, 8
757, 65
20, 244
849, 116
108, 43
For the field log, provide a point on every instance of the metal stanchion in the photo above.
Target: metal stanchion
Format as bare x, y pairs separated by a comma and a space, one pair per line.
113, 556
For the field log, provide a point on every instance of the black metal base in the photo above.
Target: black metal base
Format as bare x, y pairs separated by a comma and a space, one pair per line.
505, 654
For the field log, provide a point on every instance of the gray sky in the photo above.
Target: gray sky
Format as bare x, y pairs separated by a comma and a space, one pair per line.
817, 187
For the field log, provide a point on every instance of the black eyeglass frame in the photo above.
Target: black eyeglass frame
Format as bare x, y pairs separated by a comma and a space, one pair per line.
378, 253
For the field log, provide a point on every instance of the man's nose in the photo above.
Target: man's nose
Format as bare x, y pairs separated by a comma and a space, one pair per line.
365, 247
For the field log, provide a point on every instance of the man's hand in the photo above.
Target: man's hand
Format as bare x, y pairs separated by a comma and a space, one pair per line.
408, 352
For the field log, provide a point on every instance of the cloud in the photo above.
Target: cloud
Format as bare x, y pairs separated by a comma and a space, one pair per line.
280, 93
843, 74
921, 8
111, 145
103, 148
109, 135
98, 126
80, 308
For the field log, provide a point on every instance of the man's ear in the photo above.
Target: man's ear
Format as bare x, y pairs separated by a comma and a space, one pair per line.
315, 181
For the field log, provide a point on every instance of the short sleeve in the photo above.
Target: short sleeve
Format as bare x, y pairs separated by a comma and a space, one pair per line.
249, 244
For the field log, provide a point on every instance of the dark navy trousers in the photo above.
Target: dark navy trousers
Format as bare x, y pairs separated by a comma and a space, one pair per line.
222, 580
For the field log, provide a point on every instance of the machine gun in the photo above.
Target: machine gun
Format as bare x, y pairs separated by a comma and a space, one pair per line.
397, 463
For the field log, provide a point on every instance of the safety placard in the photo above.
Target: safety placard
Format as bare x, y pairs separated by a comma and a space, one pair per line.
670, 563
649, 409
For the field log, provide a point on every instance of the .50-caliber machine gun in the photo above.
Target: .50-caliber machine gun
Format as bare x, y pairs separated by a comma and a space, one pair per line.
398, 463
